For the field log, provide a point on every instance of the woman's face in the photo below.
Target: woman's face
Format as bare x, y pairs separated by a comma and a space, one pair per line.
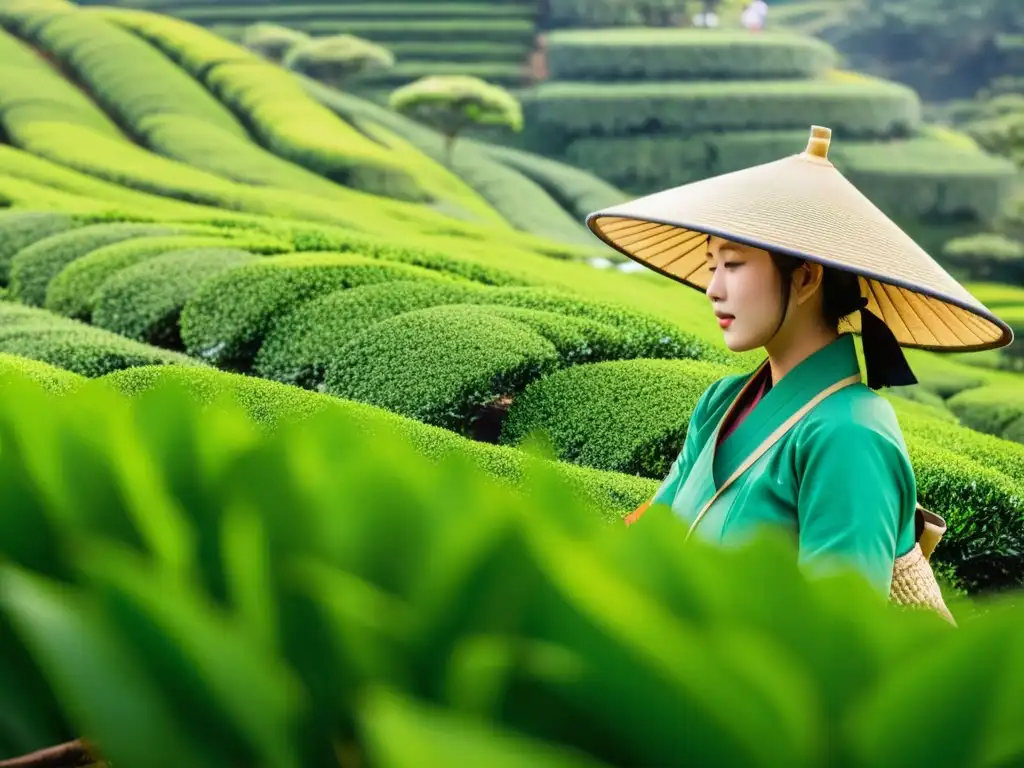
745, 293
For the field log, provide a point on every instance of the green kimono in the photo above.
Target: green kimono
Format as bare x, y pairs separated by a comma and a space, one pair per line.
840, 479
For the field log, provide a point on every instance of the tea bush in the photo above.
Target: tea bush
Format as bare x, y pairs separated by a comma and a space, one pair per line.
227, 318
300, 344
231, 588
442, 365
72, 292
34, 267
39, 335
144, 301
51, 378
19, 229
628, 416
608, 55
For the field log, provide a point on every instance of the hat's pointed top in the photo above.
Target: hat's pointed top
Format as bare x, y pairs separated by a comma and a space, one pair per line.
803, 206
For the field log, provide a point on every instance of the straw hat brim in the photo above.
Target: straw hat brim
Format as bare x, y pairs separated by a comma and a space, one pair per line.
803, 206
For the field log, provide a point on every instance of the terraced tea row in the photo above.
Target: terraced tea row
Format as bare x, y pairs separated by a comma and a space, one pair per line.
648, 109
488, 40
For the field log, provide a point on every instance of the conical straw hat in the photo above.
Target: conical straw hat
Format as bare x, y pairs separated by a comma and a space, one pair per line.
803, 206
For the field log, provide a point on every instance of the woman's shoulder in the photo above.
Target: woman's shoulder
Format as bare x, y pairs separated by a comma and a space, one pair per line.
855, 415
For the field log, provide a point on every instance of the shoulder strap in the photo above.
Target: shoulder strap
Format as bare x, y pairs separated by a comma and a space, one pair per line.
771, 440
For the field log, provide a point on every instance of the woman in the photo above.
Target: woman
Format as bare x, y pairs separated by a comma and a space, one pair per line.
792, 258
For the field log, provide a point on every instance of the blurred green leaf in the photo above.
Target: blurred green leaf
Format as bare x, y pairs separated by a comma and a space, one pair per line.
405, 734
103, 685
220, 680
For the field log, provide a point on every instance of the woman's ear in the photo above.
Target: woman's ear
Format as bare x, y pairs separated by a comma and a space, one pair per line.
807, 279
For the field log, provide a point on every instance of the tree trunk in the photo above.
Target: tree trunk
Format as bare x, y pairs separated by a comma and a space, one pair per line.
449, 148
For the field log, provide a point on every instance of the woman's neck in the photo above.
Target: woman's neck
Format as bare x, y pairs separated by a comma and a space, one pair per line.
786, 354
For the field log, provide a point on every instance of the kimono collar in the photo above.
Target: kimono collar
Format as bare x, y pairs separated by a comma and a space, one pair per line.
825, 367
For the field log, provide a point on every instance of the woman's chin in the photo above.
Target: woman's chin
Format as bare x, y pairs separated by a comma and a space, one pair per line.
737, 343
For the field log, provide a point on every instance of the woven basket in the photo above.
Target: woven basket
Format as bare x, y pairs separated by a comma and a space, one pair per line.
913, 580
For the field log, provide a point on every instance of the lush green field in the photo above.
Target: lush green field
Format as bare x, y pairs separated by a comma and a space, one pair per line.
176, 212
327, 247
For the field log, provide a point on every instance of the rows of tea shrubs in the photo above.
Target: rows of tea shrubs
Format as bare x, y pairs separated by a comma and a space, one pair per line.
543, 205
322, 589
648, 109
203, 54
442, 348
608, 55
484, 39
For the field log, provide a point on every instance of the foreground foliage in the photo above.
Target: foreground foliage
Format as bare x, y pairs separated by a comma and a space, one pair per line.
322, 595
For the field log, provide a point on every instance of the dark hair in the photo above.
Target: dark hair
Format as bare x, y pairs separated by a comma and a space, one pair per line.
884, 360
841, 290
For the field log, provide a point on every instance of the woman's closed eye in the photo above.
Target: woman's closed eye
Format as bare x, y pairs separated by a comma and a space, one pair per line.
728, 265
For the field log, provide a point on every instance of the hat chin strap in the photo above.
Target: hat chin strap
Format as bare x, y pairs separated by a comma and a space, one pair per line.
884, 359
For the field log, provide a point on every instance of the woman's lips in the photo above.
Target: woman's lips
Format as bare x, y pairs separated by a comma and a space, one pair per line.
724, 321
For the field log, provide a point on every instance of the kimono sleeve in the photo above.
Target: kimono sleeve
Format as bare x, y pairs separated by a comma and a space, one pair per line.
688, 455
856, 495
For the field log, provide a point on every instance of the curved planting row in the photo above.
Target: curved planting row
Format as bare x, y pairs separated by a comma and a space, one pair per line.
484, 39
531, 192
203, 54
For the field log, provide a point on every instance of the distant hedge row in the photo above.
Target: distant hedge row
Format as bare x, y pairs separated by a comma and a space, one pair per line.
643, 164
909, 179
927, 179
288, 13
395, 30
859, 110
986, 257
29, 93
508, 74
610, 55
994, 410
47, 132
463, 50
129, 78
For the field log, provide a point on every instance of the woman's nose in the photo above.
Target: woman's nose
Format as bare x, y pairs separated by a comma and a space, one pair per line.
714, 289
